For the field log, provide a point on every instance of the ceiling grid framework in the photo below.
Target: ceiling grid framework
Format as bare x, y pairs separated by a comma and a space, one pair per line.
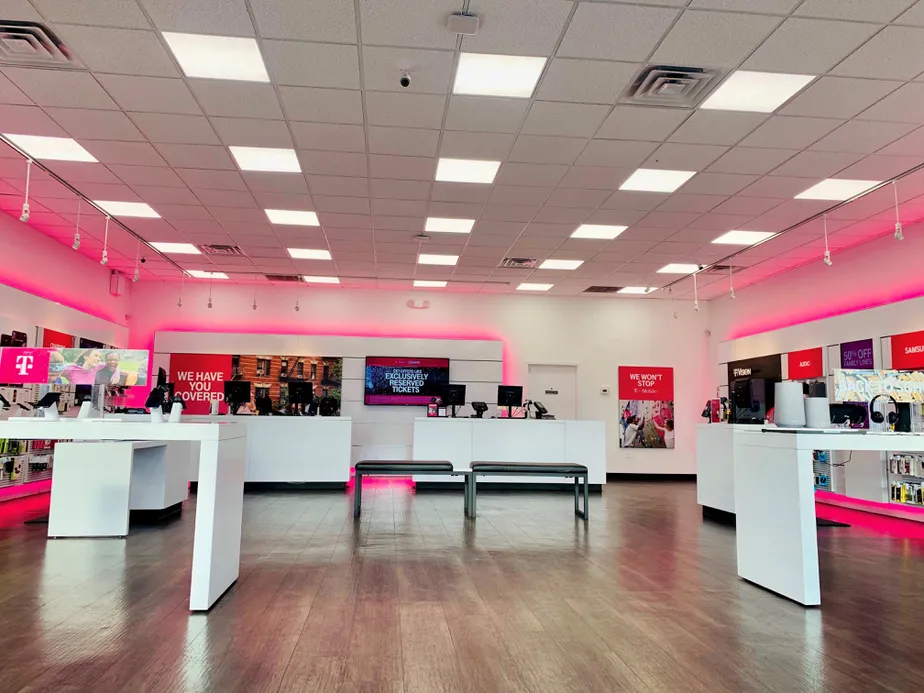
368, 148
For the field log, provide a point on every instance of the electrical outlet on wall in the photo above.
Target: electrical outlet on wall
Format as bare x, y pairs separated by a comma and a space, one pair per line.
605, 390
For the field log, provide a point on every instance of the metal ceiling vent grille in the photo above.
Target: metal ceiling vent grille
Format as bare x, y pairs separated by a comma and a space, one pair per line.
721, 269
519, 263
602, 289
33, 44
288, 278
670, 85
220, 250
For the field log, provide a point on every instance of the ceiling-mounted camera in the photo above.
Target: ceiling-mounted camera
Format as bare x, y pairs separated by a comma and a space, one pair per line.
143, 260
405, 80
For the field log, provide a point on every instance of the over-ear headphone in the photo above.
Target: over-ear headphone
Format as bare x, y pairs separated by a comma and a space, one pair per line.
878, 417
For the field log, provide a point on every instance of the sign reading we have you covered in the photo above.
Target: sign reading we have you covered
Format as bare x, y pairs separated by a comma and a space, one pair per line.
646, 403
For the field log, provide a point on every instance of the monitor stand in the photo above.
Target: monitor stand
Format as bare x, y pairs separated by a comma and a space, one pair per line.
509, 412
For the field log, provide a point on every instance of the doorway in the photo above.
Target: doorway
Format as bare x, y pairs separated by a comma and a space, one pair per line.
556, 387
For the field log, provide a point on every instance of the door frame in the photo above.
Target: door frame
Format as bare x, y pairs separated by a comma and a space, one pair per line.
577, 399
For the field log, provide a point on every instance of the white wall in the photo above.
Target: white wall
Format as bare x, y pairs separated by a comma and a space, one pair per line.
596, 334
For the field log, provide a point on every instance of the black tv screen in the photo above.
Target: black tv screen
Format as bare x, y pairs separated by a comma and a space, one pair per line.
404, 381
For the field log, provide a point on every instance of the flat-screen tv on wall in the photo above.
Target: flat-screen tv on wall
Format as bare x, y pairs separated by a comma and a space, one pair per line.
404, 381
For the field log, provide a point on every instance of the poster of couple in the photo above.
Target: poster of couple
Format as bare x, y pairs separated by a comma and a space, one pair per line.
646, 403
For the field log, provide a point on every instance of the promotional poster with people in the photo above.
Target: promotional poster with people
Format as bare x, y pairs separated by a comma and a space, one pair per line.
646, 402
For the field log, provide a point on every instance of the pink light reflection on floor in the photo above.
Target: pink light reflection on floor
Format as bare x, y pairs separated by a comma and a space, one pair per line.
870, 523
14, 513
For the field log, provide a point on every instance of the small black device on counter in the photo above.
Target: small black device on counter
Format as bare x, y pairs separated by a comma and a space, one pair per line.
453, 395
480, 408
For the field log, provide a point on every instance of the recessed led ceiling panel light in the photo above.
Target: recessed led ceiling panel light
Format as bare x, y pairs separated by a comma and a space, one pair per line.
309, 254
837, 189
636, 290
127, 209
551, 264
51, 148
656, 180
430, 259
292, 217
743, 237
678, 268
466, 170
266, 159
444, 225
202, 274
428, 284
757, 92
598, 231
321, 280
218, 57
527, 286
176, 248
497, 75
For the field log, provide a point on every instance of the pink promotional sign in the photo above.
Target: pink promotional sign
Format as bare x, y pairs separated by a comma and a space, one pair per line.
24, 365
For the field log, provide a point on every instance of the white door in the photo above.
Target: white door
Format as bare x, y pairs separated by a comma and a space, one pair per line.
554, 386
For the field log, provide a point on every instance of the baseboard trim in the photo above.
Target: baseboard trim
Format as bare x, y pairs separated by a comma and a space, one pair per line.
723, 517
262, 486
624, 476
154, 516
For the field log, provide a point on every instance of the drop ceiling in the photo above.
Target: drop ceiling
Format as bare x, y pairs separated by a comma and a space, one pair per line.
368, 148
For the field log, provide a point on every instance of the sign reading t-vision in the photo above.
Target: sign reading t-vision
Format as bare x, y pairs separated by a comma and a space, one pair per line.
646, 403
199, 379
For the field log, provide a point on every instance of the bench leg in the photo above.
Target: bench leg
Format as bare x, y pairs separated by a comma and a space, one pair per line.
465, 487
357, 494
577, 490
585, 514
472, 488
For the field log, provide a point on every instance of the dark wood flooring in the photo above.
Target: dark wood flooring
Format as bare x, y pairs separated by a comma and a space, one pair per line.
415, 599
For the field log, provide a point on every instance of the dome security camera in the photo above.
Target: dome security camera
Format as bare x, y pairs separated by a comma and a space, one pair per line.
405, 80
143, 260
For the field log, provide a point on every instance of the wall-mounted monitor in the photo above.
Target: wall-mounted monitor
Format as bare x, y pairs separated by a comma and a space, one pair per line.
404, 381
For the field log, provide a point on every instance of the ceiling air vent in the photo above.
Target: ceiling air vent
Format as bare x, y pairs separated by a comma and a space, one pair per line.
671, 86
519, 263
279, 278
602, 289
34, 45
220, 250
722, 269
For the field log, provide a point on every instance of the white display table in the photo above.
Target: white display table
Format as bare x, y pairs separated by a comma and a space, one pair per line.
715, 467
775, 501
219, 505
462, 441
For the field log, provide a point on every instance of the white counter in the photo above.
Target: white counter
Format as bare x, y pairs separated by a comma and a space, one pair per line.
462, 441
715, 465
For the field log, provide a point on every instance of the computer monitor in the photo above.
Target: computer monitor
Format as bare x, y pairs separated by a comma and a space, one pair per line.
264, 406
237, 392
301, 393
510, 396
453, 395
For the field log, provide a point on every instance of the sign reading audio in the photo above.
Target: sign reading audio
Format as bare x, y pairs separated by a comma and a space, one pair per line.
908, 351
806, 364
199, 379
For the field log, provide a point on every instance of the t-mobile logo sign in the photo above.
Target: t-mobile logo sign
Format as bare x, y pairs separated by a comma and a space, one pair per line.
24, 364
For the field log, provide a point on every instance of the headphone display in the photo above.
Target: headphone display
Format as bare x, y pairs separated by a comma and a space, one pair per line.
878, 417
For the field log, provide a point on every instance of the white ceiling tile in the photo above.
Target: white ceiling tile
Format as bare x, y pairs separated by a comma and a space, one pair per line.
506, 212
206, 179
914, 16
414, 23
250, 132
150, 94
196, 156
95, 125
348, 205
430, 70
717, 127
307, 20
783, 187
863, 136
790, 132
395, 229
519, 194
455, 210
297, 63
356, 221
28, 120
895, 52
517, 27
175, 129
402, 167
718, 183
60, 88
717, 39
347, 164
144, 175
881, 11
322, 105
400, 189
768, 6
120, 51
684, 157
904, 105
446, 191
403, 141
11, 94
809, 46
751, 160
269, 181
329, 136
335, 185
585, 81
633, 200
184, 213
880, 167
400, 208
154, 194
838, 97
573, 197
485, 114
817, 164
225, 18
113, 152
909, 145
564, 119
535, 149
219, 97
405, 110
115, 13
615, 32
595, 177
642, 123
105, 191
476, 145
747, 205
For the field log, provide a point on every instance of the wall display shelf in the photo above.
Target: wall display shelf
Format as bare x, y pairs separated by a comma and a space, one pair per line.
906, 478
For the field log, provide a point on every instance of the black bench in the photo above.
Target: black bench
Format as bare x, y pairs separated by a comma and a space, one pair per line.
563, 469
402, 468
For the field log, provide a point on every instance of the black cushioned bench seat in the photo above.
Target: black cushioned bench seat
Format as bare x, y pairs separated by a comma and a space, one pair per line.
565, 469
401, 468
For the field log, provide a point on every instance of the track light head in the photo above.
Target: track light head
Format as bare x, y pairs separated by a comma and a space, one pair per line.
827, 258
76, 245
24, 217
731, 294
210, 302
696, 306
254, 304
105, 259
899, 235
179, 303
136, 276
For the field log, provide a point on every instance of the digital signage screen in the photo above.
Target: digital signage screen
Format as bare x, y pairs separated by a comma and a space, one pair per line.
404, 381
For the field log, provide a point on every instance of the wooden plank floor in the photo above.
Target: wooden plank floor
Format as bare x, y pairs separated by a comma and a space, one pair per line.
415, 599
